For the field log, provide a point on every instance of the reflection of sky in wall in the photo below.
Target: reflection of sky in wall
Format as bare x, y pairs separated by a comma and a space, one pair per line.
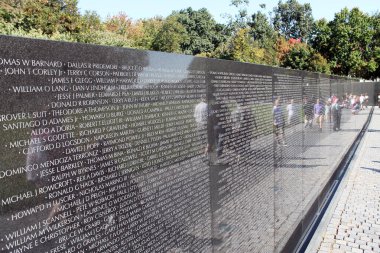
162, 62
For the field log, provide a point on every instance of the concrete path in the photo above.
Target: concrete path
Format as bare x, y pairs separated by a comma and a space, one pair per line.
352, 222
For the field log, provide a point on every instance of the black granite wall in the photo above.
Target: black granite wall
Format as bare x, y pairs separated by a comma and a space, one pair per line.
109, 149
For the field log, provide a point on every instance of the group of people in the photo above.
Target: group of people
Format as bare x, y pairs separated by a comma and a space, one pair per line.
319, 111
214, 121
241, 121
327, 111
356, 103
315, 110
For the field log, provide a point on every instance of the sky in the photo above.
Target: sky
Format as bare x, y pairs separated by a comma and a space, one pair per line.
137, 9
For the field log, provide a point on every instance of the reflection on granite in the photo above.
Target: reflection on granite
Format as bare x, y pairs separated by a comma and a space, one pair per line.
118, 150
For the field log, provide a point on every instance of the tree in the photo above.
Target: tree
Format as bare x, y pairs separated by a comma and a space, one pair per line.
241, 19
263, 33
91, 26
302, 56
204, 34
150, 29
10, 11
119, 24
349, 42
292, 19
318, 63
171, 36
350, 46
244, 49
320, 37
375, 61
298, 57
261, 30
51, 16
91, 22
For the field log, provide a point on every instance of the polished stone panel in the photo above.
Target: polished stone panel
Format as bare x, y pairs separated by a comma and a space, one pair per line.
108, 149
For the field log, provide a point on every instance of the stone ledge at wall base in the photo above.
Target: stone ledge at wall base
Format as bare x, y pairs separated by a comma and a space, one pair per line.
122, 150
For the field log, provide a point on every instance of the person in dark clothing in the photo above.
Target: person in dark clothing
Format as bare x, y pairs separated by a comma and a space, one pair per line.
308, 109
216, 126
336, 109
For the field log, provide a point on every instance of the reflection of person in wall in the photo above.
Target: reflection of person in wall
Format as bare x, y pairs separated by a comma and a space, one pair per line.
336, 110
290, 108
319, 113
279, 122
248, 123
236, 118
356, 106
361, 100
308, 111
243, 122
218, 129
40, 137
114, 213
366, 98
201, 114
328, 110
235, 126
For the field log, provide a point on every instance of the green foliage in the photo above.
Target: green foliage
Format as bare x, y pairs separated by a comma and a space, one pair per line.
119, 24
375, 60
149, 31
238, 21
91, 24
171, 36
292, 19
50, 16
303, 57
202, 32
318, 63
319, 37
90, 21
244, 49
221, 52
349, 42
10, 11
241, 19
298, 57
347, 45
106, 38
265, 36
262, 31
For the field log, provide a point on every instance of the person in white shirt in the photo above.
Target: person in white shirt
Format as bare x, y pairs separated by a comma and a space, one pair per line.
201, 113
291, 112
361, 99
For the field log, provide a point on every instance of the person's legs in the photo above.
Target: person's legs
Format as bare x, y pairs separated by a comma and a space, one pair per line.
320, 122
335, 122
338, 121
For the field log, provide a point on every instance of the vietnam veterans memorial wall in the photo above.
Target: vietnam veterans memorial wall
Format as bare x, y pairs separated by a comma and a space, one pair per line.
108, 149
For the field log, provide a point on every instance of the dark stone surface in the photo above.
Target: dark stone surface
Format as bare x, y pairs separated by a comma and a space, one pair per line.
117, 150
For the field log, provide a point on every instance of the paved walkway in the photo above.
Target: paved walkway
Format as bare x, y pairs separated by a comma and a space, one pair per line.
352, 222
